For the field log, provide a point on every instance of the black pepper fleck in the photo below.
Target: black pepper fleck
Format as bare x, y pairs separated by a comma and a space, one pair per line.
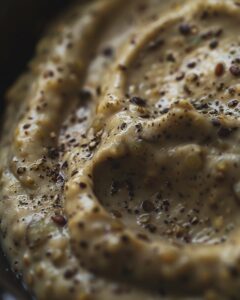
148, 206
82, 185
235, 70
213, 44
138, 101
185, 29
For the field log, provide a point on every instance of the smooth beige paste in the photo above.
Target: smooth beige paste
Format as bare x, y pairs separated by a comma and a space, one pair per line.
120, 154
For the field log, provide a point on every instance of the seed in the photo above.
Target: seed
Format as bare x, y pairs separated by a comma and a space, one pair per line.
233, 103
138, 101
185, 29
148, 206
180, 76
108, 52
21, 170
213, 44
59, 220
82, 185
235, 70
26, 126
191, 65
219, 69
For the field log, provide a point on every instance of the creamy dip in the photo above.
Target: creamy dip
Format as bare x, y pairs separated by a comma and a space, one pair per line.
120, 156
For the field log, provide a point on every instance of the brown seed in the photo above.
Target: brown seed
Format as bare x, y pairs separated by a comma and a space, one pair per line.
233, 103
82, 185
26, 126
74, 173
138, 101
70, 273
191, 65
122, 67
213, 44
185, 29
85, 94
123, 126
180, 76
219, 69
235, 70
48, 73
59, 220
148, 206
21, 170
108, 51
170, 57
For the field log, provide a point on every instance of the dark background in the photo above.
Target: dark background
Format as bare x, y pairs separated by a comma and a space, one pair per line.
21, 25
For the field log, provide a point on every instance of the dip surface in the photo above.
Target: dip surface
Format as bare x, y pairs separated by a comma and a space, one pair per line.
120, 154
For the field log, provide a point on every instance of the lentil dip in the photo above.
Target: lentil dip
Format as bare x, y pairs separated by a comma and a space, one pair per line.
120, 154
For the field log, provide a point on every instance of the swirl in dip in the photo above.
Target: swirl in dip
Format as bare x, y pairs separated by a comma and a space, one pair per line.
120, 154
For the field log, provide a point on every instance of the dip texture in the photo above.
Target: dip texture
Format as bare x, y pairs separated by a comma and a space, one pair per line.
120, 154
